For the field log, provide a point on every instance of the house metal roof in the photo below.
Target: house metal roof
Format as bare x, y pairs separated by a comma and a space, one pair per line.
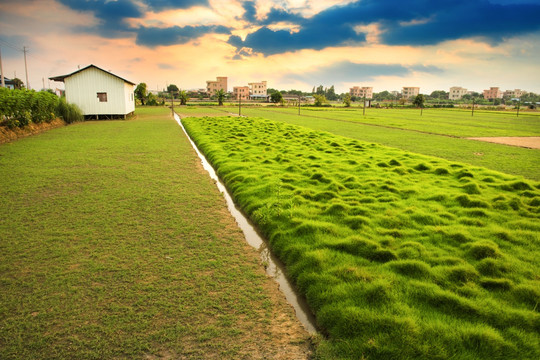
61, 78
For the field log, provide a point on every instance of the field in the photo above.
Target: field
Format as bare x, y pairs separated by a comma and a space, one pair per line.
400, 255
441, 133
115, 244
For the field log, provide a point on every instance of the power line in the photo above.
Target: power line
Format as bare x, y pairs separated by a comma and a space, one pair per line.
10, 45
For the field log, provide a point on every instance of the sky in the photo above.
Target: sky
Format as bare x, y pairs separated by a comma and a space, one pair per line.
292, 44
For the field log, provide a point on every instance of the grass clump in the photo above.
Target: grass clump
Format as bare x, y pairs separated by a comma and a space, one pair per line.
408, 264
484, 249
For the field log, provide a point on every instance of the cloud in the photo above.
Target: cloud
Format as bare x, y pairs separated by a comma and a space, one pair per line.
153, 36
110, 14
166, 66
160, 5
249, 11
415, 22
347, 72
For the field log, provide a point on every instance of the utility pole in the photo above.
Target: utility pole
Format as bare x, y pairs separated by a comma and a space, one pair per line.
2, 71
472, 112
299, 97
519, 101
364, 111
172, 102
239, 104
26, 68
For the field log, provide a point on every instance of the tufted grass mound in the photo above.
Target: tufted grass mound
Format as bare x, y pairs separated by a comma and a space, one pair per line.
400, 256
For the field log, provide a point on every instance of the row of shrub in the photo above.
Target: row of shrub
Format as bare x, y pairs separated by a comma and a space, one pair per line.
19, 108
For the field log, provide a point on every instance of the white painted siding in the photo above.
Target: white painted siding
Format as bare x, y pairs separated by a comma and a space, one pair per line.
130, 98
82, 89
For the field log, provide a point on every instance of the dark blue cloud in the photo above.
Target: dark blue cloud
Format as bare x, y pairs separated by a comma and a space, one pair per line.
151, 36
249, 11
415, 22
112, 17
110, 14
159, 5
347, 71
275, 15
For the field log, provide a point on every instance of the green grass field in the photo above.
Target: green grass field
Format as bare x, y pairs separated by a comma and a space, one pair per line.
400, 255
115, 244
438, 132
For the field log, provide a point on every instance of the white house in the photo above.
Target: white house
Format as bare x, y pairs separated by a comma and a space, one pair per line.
99, 93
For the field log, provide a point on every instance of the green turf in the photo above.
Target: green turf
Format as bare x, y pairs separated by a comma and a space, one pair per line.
114, 246
508, 159
401, 256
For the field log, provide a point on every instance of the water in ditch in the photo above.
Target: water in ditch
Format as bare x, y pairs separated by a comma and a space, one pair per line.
274, 267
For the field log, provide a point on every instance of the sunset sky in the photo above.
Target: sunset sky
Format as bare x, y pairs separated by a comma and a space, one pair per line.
292, 44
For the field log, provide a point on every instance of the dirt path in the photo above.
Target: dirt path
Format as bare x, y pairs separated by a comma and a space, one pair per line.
531, 142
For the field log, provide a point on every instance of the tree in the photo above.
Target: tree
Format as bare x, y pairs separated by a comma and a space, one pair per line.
151, 100
320, 90
17, 83
173, 89
347, 100
220, 95
270, 91
419, 100
183, 96
439, 94
319, 100
276, 97
140, 92
331, 93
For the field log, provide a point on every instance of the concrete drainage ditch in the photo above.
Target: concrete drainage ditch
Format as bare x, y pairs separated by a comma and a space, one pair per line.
274, 267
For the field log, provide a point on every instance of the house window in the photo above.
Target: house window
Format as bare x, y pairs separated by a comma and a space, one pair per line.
132, 97
102, 96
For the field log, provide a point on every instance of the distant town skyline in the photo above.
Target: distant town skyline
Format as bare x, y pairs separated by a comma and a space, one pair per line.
292, 44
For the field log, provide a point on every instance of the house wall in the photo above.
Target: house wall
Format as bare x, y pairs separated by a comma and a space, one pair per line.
457, 92
409, 92
241, 92
82, 89
212, 87
361, 92
257, 88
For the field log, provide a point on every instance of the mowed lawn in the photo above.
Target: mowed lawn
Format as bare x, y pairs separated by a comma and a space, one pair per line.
114, 243
438, 132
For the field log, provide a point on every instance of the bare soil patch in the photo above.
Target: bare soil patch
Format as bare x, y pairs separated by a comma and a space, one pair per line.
531, 142
7, 135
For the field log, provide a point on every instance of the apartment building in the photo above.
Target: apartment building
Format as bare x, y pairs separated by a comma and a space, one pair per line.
241, 92
457, 92
257, 89
213, 86
410, 92
493, 93
361, 92
514, 94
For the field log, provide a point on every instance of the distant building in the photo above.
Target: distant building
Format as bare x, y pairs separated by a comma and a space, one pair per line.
410, 92
361, 92
457, 92
9, 83
213, 86
493, 93
514, 94
241, 92
98, 92
395, 93
257, 90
